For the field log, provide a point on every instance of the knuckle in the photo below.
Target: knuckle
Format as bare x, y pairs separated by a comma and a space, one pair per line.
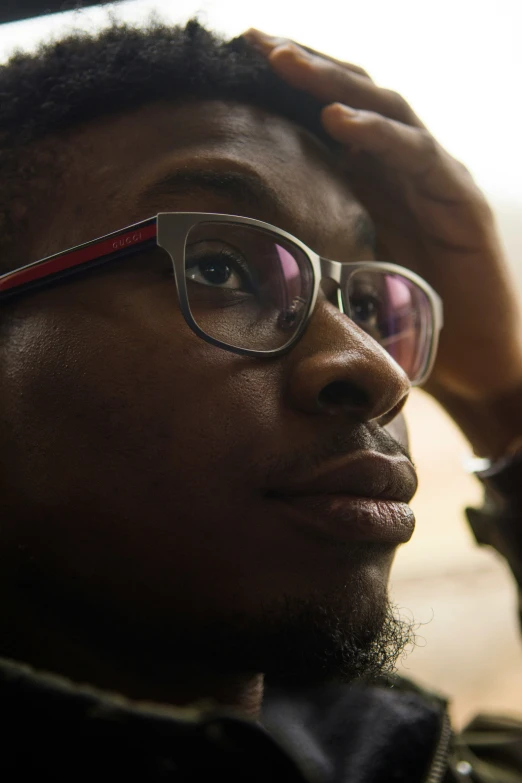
360, 71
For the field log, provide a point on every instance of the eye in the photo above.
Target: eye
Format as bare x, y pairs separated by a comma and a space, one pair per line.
365, 311
217, 265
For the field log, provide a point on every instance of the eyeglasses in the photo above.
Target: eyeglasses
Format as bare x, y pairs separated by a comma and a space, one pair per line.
251, 288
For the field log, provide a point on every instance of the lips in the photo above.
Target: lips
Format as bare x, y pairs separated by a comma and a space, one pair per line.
361, 474
362, 498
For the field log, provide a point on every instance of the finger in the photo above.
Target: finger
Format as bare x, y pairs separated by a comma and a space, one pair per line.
329, 82
267, 43
412, 151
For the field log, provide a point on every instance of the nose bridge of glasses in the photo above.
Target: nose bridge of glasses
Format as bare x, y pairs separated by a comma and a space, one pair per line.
331, 269
331, 274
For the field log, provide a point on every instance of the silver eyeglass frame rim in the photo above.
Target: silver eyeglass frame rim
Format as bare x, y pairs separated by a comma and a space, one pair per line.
172, 232
169, 230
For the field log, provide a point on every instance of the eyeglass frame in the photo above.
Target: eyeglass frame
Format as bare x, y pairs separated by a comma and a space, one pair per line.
169, 230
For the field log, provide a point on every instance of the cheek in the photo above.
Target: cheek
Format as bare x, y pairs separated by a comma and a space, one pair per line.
133, 422
123, 391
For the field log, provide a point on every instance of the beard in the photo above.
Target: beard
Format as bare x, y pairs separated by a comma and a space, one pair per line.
302, 643
318, 646
350, 634
341, 634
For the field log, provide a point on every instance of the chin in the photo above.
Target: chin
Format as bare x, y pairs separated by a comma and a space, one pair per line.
337, 636
358, 636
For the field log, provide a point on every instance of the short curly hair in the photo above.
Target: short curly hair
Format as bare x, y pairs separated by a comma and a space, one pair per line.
83, 76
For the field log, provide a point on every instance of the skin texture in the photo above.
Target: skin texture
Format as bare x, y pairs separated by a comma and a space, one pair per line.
140, 548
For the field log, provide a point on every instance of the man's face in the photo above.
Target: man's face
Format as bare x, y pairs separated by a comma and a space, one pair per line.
140, 459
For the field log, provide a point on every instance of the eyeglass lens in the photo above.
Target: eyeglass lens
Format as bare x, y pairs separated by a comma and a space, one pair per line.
396, 313
250, 288
246, 287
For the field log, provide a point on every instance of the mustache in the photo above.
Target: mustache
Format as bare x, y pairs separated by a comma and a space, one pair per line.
310, 456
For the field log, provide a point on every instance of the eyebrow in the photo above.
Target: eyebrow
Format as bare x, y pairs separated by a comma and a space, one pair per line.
243, 187
238, 185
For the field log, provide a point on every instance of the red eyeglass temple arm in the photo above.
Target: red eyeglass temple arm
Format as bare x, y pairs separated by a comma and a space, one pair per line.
109, 245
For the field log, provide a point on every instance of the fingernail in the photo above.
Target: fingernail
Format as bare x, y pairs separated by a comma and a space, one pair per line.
254, 32
345, 111
266, 42
298, 51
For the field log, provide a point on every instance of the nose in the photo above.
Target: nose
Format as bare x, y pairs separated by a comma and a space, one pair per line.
338, 369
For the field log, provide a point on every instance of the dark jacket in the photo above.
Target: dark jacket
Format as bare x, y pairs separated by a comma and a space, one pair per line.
55, 730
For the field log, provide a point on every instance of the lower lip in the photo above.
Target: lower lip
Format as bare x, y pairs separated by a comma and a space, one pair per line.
350, 519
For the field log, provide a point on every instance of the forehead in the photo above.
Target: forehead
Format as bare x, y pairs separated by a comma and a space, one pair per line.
124, 168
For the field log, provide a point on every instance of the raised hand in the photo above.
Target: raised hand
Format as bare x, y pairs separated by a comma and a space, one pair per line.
432, 218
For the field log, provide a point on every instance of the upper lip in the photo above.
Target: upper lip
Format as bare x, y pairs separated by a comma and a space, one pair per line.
367, 474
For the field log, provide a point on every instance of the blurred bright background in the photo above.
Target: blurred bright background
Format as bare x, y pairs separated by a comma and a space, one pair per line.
459, 64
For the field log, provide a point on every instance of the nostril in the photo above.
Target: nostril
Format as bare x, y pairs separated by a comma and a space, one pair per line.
340, 394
